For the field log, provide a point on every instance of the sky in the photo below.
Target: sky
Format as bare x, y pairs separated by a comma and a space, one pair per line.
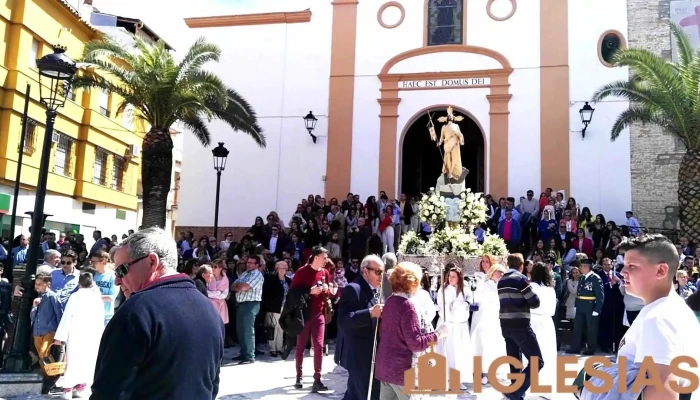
166, 17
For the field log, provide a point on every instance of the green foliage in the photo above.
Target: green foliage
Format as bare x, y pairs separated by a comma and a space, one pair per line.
660, 92
164, 91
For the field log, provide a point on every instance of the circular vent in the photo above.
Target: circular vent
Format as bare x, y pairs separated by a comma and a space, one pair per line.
610, 42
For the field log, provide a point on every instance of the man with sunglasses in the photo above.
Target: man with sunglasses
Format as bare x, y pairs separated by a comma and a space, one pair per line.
67, 272
359, 310
154, 346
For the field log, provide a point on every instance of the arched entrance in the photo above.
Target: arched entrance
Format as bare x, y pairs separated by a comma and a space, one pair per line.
421, 158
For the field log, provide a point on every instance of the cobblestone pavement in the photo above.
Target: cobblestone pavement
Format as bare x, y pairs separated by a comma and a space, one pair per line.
274, 379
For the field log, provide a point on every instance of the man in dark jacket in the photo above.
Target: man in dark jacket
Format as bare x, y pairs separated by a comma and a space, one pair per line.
164, 327
358, 312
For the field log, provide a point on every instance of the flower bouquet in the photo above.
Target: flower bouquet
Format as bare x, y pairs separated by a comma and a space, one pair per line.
451, 241
493, 245
432, 208
411, 243
473, 209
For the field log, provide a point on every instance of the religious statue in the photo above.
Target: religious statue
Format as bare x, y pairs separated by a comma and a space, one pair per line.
450, 184
451, 138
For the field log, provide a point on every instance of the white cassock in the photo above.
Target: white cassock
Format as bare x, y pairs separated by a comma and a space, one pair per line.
486, 335
456, 347
543, 326
81, 329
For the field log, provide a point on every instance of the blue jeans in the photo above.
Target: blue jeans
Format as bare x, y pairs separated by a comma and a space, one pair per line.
245, 327
519, 343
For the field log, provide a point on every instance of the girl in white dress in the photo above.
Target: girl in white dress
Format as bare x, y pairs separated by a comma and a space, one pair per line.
487, 338
454, 300
543, 324
81, 330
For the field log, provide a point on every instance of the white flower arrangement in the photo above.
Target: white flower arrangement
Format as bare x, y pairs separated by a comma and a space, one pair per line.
411, 243
493, 245
450, 241
472, 208
432, 208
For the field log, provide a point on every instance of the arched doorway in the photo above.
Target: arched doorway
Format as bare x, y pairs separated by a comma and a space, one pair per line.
421, 159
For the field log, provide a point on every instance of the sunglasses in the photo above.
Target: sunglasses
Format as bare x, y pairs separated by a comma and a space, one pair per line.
123, 269
67, 262
377, 272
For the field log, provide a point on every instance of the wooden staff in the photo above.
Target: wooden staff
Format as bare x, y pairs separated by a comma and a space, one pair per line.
377, 296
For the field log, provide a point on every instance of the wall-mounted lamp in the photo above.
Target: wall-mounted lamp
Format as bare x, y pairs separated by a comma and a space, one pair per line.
310, 122
586, 117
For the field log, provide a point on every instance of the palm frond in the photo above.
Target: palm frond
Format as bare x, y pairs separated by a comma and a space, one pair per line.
634, 114
683, 45
198, 127
240, 116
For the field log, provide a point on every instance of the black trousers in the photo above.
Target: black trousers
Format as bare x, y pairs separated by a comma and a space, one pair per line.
585, 320
358, 385
519, 343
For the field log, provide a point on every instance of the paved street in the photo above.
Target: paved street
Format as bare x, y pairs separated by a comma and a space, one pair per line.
274, 379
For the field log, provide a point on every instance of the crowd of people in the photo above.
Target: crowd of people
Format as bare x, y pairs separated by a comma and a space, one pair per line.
329, 275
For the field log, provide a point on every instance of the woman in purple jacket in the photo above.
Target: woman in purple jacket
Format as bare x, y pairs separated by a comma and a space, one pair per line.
400, 331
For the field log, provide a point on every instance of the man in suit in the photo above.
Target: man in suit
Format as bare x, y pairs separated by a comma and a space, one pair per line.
611, 315
589, 304
358, 312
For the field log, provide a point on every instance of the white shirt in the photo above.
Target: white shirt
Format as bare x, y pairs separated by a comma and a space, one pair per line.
664, 330
273, 244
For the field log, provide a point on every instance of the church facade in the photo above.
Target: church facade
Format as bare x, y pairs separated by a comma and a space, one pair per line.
376, 74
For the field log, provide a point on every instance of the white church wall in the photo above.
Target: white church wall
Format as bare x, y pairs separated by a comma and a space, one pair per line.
524, 167
600, 169
473, 101
375, 45
364, 173
517, 38
287, 76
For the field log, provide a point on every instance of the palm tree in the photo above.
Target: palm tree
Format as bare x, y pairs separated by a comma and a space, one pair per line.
666, 94
163, 91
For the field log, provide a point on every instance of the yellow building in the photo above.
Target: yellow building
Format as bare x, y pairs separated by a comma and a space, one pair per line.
95, 157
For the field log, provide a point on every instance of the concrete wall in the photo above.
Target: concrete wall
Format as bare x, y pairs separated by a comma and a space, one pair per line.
283, 71
600, 168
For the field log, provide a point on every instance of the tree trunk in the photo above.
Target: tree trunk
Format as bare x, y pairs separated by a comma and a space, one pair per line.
156, 175
689, 195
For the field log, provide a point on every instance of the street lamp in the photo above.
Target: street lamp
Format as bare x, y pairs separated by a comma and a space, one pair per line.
310, 122
586, 117
56, 72
220, 154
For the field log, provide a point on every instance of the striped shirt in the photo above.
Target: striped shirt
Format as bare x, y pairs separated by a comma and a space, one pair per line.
253, 278
516, 299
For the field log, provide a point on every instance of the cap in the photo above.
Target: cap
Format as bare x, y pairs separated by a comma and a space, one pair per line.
586, 261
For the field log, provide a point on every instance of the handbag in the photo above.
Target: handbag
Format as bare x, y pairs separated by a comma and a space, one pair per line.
328, 311
270, 326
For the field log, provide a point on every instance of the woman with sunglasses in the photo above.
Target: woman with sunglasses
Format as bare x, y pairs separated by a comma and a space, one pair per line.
218, 288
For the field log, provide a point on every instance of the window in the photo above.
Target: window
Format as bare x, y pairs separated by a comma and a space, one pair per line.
62, 157
34, 53
100, 168
608, 44
104, 103
89, 208
445, 22
30, 136
118, 173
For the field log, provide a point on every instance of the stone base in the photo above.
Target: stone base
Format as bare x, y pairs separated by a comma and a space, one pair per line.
16, 384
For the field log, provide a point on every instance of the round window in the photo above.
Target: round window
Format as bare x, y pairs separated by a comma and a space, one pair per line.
610, 42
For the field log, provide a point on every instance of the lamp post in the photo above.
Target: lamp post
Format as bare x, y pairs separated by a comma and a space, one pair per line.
310, 122
220, 154
586, 116
56, 72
